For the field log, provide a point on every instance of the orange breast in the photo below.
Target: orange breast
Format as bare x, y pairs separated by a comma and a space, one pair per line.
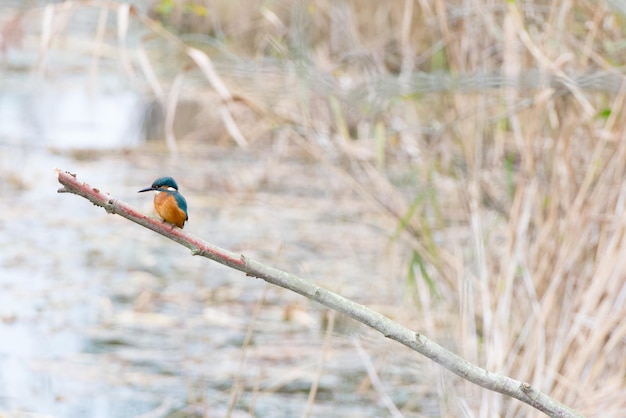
166, 207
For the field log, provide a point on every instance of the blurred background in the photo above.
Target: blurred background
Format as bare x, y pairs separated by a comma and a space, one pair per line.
458, 166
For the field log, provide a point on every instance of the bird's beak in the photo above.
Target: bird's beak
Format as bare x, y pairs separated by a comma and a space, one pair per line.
147, 189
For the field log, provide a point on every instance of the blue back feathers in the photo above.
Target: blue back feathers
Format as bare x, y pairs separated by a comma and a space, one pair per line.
180, 201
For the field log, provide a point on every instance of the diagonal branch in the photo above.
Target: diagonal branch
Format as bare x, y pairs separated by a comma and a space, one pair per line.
390, 329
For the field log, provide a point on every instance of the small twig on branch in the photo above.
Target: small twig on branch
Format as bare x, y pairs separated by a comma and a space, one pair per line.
390, 329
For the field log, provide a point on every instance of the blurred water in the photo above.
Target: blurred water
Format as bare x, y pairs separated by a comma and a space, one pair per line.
102, 318
46, 296
67, 321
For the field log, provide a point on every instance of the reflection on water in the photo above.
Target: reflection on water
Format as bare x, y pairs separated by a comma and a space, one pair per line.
73, 118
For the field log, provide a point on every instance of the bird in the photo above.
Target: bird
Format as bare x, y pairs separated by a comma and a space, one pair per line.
169, 204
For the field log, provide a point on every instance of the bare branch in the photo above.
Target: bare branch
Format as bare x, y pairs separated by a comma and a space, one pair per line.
493, 381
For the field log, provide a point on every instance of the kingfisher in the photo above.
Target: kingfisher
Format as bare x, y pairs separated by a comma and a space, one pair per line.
169, 204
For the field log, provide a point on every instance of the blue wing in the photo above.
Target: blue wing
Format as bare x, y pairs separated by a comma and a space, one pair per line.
182, 203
